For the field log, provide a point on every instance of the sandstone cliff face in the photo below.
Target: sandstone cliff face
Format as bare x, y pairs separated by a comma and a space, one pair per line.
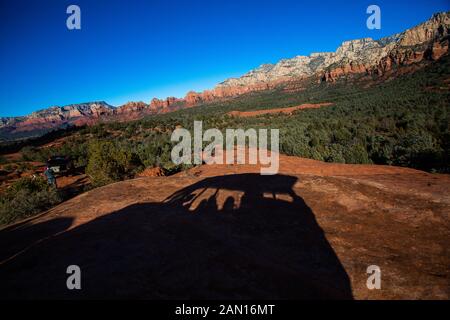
132, 107
438, 26
54, 117
91, 109
130, 111
162, 106
428, 41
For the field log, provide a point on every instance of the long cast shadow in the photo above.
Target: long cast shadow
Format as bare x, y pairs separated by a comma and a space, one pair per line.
234, 237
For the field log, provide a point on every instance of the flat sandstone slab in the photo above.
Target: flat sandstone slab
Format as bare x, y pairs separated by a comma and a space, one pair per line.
227, 232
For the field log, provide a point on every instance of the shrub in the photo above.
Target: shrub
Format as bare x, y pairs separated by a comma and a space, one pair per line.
27, 197
356, 154
30, 153
9, 168
107, 163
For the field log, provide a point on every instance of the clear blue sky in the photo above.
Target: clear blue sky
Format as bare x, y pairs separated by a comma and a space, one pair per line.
136, 50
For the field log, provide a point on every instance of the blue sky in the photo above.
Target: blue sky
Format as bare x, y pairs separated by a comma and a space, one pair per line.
136, 50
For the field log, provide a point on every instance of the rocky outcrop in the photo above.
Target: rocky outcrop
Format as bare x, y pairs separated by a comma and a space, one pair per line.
90, 109
158, 105
130, 111
428, 41
56, 117
132, 107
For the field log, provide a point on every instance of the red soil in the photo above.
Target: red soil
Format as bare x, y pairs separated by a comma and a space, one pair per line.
289, 111
152, 172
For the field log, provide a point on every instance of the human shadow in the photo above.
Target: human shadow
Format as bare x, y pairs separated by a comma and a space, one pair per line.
242, 236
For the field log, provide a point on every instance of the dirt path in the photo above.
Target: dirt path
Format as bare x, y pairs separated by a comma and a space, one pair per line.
289, 110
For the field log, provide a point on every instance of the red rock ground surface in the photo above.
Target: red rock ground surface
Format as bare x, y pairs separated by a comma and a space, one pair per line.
225, 231
288, 110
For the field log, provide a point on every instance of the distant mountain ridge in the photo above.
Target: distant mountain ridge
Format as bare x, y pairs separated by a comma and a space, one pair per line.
424, 43
43, 121
367, 53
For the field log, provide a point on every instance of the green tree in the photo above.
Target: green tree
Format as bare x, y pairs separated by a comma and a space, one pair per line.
107, 163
